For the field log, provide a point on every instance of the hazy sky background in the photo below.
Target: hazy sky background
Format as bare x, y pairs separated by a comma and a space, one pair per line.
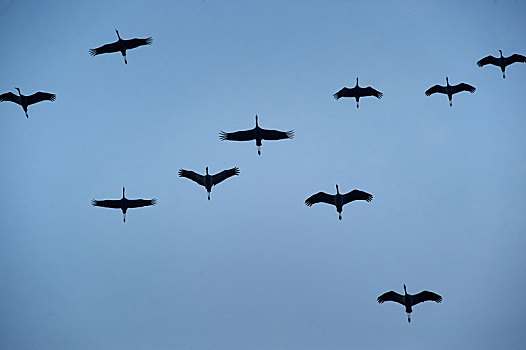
254, 268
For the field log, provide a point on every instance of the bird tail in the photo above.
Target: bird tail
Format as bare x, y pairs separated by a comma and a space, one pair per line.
408, 317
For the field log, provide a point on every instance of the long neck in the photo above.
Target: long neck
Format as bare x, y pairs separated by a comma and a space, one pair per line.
337, 190
123, 192
19, 93
256, 121
447, 81
500, 53
118, 36
356, 81
405, 290
206, 170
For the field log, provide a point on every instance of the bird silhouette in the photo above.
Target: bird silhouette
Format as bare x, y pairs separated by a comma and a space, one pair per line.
450, 90
357, 92
124, 203
207, 180
409, 300
501, 61
338, 199
257, 134
121, 46
25, 101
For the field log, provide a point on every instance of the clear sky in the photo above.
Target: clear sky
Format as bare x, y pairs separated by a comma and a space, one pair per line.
254, 267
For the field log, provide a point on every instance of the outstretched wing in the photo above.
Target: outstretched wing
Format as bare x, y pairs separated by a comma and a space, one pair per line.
515, 58
345, 92
200, 179
9, 96
369, 91
356, 195
137, 203
108, 48
434, 89
245, 135
425, 296
391, 296
276, 134
110, 203
225, 174
462, 87
488, 60
133, 43
320, 197
40, 96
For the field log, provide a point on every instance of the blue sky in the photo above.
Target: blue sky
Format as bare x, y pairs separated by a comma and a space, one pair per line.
254, 268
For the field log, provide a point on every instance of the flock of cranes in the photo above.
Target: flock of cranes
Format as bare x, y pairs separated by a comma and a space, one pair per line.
259, 134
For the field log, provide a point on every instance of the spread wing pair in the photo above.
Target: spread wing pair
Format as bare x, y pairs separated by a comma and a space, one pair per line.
124, 203
207, 180
358, 92
258, 134
249, 135
121, 45
415, 299
354, 195
118, 204
338, 199
31, 99
502, 62
454, 89
25, 101
450, 90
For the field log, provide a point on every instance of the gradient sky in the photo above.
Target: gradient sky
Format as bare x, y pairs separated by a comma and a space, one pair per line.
254, 268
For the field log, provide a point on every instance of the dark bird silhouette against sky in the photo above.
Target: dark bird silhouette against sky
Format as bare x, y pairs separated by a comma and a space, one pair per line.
121, 46
208, 181
257, 134
25, 101
409, 300
124, 203
501, 61
357, 92
450, 90
338, 199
